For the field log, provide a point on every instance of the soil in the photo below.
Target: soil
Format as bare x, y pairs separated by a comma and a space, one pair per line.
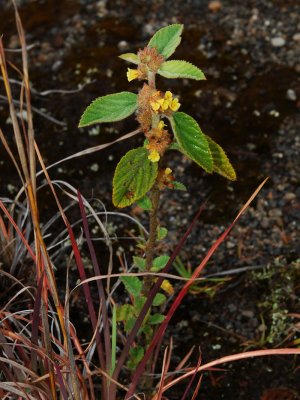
249, 51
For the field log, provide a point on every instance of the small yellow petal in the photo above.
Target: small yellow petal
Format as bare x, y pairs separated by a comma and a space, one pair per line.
168, 95
132, 74
154, 156
168, 171
155, 105
165, 105
174, 106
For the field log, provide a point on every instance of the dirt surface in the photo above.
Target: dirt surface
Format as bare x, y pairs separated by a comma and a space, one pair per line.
250, 54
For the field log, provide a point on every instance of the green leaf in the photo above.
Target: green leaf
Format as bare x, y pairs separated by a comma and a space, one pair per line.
180, 69
221, 162
129, 324
179, 186
131, 57
110, 108
167, 39
134, 176
159, 263
192, 141
135, 354
159, 299
124, 312
147, 330
174, 146
139, 304
139, 262
145, 203
161, 232
155, 319
132, 284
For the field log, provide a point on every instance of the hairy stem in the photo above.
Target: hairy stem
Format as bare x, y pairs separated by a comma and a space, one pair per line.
150, 246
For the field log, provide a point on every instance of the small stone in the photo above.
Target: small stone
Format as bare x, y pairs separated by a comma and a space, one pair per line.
296, 37
291, 95
214, 6
123, 45
289, 196
248, 313
230, 245
251, 146
277, 41
265, 223
14, 42
94, 167
56, 66
275, 213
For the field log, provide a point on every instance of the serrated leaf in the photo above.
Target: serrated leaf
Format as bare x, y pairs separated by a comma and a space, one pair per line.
139, 304
124, 312
139, 262
159, 263
221, 162
179, 186
134, 176
159, 299
180, 69
110, 108
132, 284
147, 330
145, 203
131, 57
155, 319
135, 354
191, 139
167, 39
129, 324
161, 232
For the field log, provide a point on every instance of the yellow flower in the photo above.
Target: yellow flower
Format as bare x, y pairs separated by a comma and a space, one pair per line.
161, 125
165, 103
168, 171
156, 105
174, 105
154, 156
132, 74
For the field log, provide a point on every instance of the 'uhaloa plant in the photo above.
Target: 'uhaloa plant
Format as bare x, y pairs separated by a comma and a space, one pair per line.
141, 175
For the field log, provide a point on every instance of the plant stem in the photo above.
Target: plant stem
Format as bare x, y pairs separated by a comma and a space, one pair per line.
150, 246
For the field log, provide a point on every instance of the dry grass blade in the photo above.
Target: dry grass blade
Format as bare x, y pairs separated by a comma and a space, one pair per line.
231, 358
30, 130
192, 378
165, 368
93, 149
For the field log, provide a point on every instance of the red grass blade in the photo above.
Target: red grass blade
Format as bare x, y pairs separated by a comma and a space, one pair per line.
101, 291
36, 322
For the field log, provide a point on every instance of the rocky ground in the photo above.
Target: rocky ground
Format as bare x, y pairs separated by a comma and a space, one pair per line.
250, 53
